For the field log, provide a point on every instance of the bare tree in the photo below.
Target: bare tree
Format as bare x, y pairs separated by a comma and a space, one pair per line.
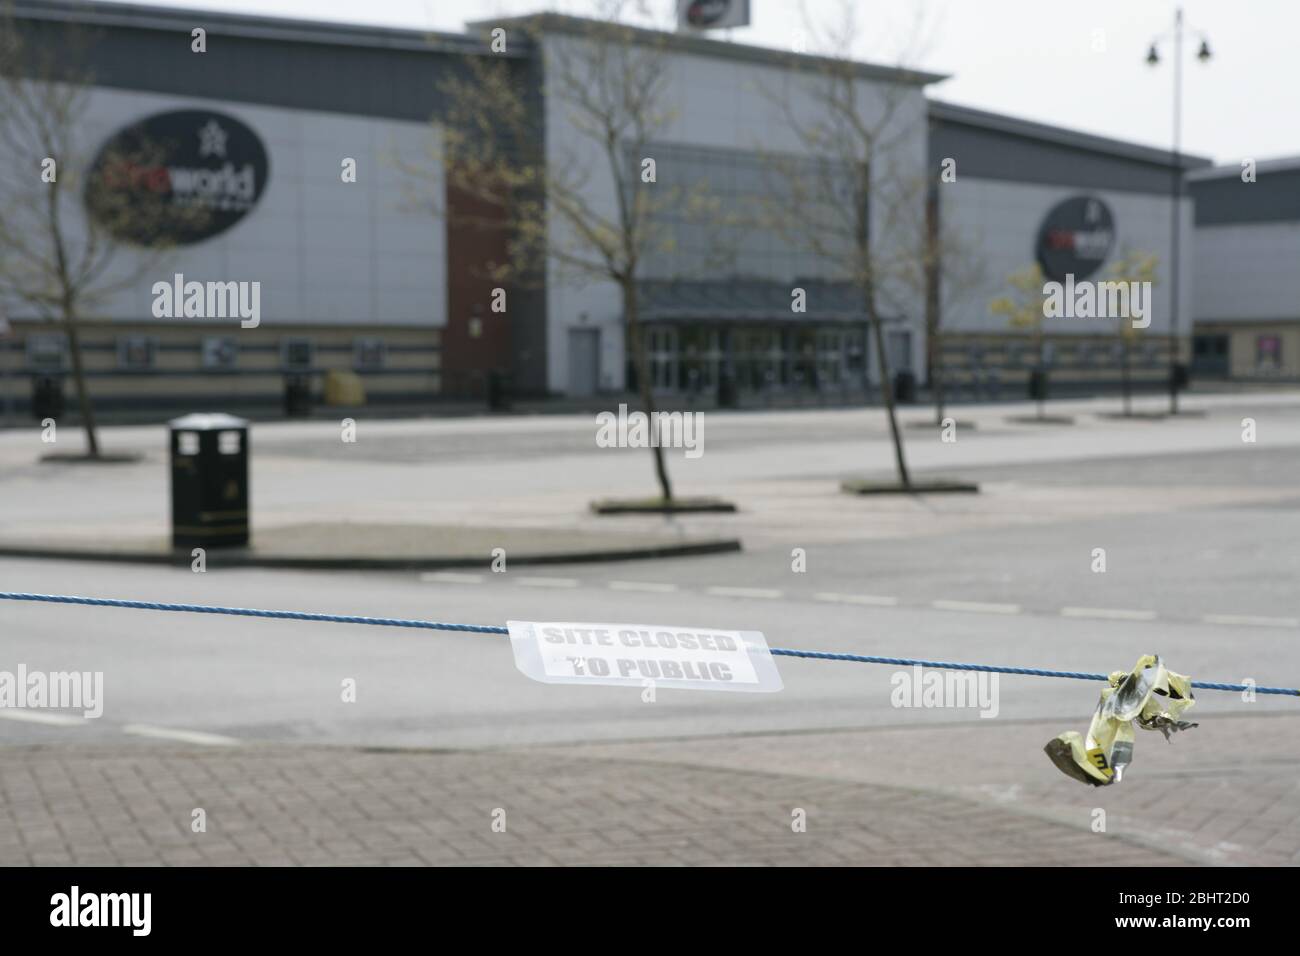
55, 259
1023, 308
947, 267
1131, 266
853, 198
608, 82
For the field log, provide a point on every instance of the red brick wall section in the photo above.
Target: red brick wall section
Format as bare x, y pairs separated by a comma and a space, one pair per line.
473, 241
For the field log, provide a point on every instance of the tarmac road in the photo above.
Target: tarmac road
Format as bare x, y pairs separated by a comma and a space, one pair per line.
1206, 579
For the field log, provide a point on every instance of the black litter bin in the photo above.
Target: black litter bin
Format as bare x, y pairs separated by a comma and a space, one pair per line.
209, 481
1180, 376
1038, 384
726, 390
498, 391
297, 396
905, 387
47, 397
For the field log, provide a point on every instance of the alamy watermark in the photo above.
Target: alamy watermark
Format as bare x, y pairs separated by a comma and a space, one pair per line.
74, 908
55, 690
1098, 300
659, 429
921, 688
208, 300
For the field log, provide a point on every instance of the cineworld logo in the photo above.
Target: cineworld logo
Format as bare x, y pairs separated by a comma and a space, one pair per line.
1075, 238
177, 178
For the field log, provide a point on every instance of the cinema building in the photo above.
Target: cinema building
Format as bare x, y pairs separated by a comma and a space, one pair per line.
361, 276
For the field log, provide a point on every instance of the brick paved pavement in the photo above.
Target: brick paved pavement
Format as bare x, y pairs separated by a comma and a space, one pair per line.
272, 805
1227, 792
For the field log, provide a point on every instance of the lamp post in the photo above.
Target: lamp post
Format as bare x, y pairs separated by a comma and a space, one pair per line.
1153, 59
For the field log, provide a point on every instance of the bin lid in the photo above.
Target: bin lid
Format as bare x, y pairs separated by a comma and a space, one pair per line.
206, 422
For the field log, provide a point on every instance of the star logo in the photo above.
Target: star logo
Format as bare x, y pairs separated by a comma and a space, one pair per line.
212, 140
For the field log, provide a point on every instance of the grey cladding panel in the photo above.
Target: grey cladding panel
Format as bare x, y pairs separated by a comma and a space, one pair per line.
391, 83
988, 154
1274, 197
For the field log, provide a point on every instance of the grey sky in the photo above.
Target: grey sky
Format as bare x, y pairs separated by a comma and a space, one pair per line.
1028, 58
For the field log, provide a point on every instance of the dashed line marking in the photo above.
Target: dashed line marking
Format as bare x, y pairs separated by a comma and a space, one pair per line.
720, 591
40, 717
186, 736
872, 599
1108, 613
978, 607
451, 577
662, 587
1250, 620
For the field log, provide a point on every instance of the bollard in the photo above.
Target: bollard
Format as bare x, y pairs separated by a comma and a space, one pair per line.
47, 397
905, 387
297, 396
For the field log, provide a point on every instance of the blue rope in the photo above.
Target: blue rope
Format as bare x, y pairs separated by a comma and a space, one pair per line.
491, 629
251, 612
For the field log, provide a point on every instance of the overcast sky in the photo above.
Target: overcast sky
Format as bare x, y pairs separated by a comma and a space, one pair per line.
1076, 63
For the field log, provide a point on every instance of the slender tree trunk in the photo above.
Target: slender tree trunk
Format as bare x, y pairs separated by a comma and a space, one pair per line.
1042, 370
1124, 379
79, 380
933, 306
644, 385
865, 262
936, 379
887, 391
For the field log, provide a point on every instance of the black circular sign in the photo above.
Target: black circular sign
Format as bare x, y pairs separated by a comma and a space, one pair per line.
177, 178
1075, 238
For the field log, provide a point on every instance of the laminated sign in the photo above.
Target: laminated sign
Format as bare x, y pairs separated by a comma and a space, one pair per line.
563, 652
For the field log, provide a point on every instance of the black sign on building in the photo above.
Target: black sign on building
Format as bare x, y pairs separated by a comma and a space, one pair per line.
177, 178
1075, 238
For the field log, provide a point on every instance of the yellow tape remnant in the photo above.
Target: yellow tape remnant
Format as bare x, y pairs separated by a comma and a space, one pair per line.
1150, 695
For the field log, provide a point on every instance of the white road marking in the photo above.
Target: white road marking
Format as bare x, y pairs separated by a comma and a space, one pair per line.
744, 592
40, 717
873, 599
186, 736
655, 587
1108, 613
979, 607
1251, 621
451, 577
547, 582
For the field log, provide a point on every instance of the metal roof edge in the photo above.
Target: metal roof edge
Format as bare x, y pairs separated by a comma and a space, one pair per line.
253, 26
1280, 164
688, 43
